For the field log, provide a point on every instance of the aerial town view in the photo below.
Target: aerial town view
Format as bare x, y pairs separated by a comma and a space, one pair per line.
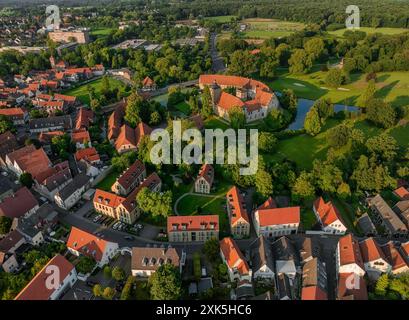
191, 150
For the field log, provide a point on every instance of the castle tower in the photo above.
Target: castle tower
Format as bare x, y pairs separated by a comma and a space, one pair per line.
215, 92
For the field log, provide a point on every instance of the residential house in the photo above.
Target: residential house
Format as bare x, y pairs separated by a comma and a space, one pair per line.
11, 242
38, 288
46, 139
52, 180
87, 161
329, 217
237, 267
348, 256
81, 242
314, 280
262, 261
351, 286
54, 123
275, 222
387, 217
81, 138
146, 260
8, 144
148, 84
8, 262
398, 263
128, 138
404, 249
237, 212
375, 261
308, 248
366, 225
6, 187
284, 287
28, 159
402, 193
286, 258
72, 192
16, 115
193, 228
402, 210
130, 179
21, 204
204, 180
84, 119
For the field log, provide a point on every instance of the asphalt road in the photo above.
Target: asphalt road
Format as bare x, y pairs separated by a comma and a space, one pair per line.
217, 60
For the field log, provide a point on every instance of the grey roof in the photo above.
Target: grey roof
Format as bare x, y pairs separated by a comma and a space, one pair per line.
308, 248
78, 182
151, 258
264, 296
245, 291
261, 254
205, 284
402, 209
366, 224
314, 274
64, 122
283, 286
283, 249
390, 218
5, 185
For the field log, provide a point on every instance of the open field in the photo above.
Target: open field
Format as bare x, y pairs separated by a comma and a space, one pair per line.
220, 19
109, 180
339, 33
267, 28
81, 92
102, 32
391, 86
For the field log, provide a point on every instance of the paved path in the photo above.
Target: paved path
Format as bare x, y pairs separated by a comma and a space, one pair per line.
217, 60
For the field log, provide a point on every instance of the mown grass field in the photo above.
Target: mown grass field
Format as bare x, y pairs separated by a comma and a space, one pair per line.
220, 19
389, 31
267, 28
81, 92
391, 86
101, 32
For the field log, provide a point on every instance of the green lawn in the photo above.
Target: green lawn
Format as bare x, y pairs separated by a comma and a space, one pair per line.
267, 28
401, 134
308, 219
391, 86
347, 213
214, 123
183, 107
81, 91
101, 32
220, 19
389, 31
109, 180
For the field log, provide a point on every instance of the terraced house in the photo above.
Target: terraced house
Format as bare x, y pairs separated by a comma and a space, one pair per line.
193, 228
238, 217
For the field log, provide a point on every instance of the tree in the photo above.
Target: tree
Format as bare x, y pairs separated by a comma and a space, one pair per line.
312, 122
242, 63
118, 273
267, 142
166, 283
382, 285
155, 118
126, 291
5, 224
335, 77
237, 117
123, 161
344, 191
288, 100
314, 48
264, 183
107, 272
97, 290
26, 179
368, 94
384, 145
300, 61
338, 136
303, 187
327, 176
85, 265
133, 109
380, 113
155, 203
211, 249
5, 124
62, 146
109, 293
207, 107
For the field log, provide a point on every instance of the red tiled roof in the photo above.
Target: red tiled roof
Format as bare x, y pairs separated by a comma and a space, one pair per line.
234, 257
359, 292
18, 204
114, 122
193, 223
46, 137
371, 251
12, 112
129, 176
36, 289
255, 51
349, 251
30, 159
327, 211
313, 293
237, 205
80, 136
402, 193
107, 199
84, 117
64, 97
129, 136
405, 248
88, 154
207, 172
277, 216
228, 101
86, 243
268, 204
148, 82
394, 257
231, 81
